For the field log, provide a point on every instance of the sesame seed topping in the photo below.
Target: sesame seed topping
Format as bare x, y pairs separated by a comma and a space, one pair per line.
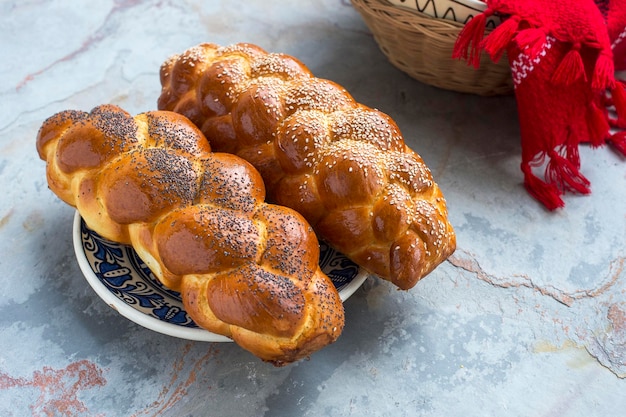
317, 127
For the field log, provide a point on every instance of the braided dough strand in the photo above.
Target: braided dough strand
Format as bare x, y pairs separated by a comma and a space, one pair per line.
344, 166
246, 269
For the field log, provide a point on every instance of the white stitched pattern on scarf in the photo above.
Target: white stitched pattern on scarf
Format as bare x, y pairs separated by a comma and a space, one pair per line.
619, 39
523, 65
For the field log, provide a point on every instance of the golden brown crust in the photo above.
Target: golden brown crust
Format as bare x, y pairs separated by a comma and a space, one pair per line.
246, 269
342, 165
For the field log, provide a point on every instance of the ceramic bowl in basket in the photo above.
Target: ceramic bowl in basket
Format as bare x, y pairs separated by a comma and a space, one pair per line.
456, 10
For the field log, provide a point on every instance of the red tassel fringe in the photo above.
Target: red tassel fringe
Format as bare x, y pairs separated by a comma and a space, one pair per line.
496, 43
564, 173
467, 45
570, 69
618, 95
547, 194
573, 155
618, 141
603, 73
597, 125
531, 41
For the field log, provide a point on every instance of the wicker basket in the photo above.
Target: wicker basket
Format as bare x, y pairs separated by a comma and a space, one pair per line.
421, 46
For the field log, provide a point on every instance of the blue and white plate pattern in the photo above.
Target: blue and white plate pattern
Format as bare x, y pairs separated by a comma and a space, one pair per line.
125, 283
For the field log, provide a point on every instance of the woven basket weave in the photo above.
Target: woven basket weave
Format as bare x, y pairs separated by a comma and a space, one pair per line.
421, 46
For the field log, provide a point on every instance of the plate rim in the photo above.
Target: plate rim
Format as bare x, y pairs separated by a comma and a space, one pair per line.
154, 324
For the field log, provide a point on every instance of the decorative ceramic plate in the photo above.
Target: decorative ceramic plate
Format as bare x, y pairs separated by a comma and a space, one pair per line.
460, 11
126, 284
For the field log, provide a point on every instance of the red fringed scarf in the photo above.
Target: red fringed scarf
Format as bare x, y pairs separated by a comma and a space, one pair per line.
562, 64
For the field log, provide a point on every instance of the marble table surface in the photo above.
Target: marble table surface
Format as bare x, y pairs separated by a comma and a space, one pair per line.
527, 318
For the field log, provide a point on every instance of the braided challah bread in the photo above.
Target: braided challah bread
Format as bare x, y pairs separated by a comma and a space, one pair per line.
345, 167
245, 269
